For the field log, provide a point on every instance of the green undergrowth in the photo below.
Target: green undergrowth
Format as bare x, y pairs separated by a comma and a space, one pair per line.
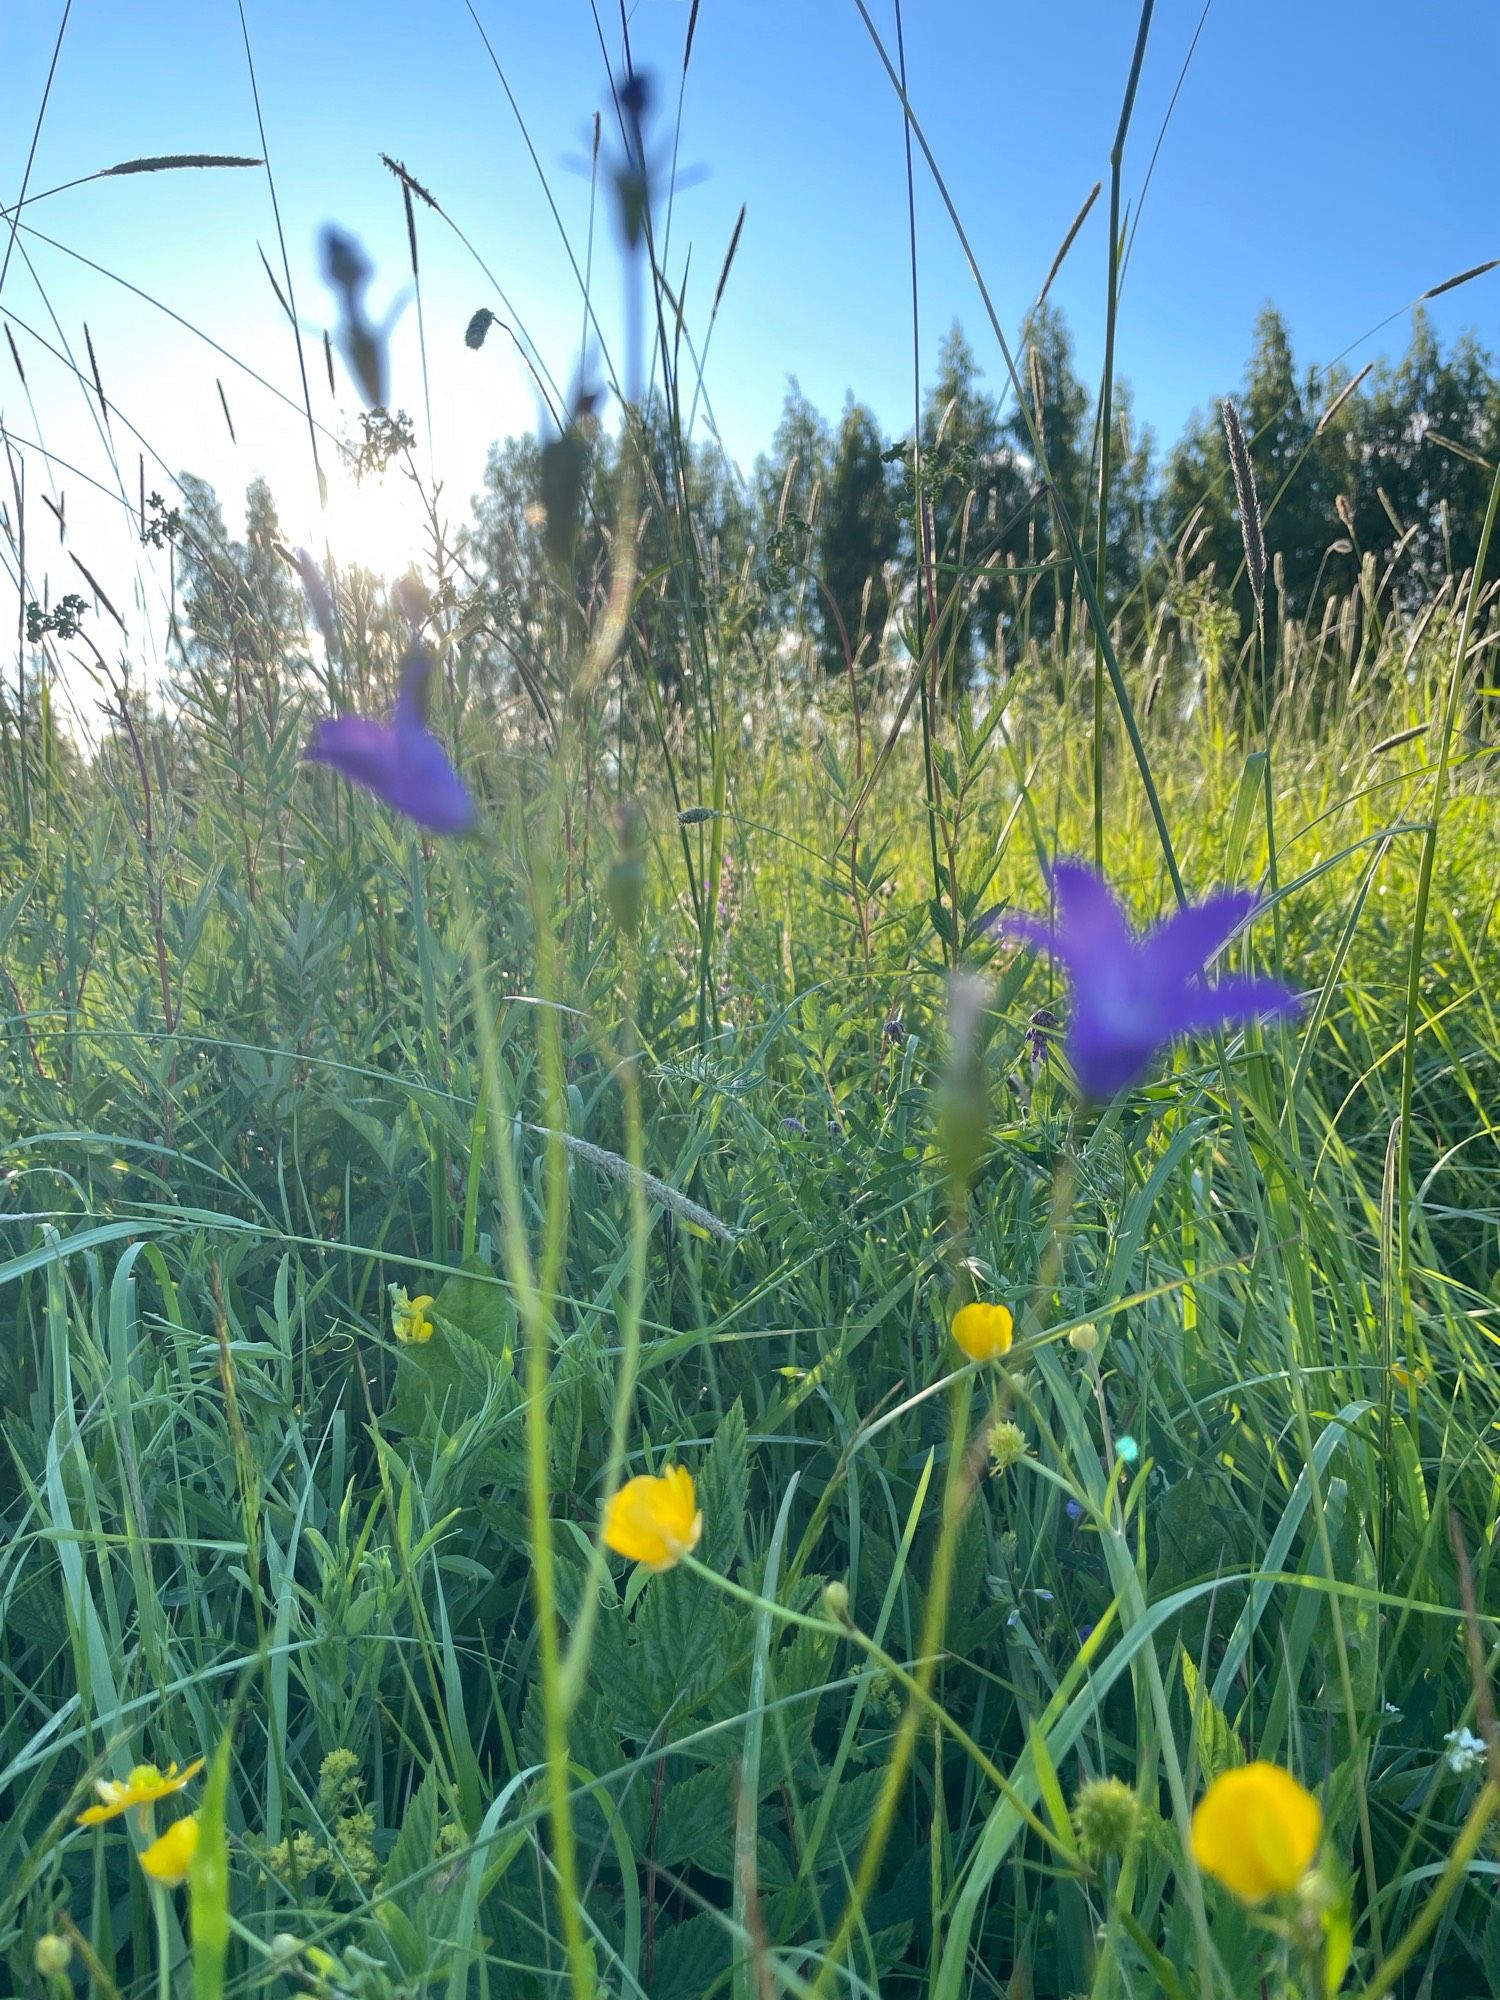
243, 1096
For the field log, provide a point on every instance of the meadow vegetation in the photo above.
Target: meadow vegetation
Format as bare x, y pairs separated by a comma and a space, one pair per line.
386, 1212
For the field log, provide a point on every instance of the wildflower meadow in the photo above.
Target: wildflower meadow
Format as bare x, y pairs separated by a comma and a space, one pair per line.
739, 1262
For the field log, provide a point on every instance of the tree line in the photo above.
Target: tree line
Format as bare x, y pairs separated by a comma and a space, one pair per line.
843, 545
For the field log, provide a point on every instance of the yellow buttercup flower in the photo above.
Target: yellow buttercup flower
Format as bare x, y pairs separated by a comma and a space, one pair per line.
409, 1319
984, 1332
1410, 1378
654, 1520
1257, 1831
169, 1857
142, 1788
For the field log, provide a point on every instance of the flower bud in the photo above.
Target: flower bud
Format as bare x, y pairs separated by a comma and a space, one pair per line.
1008, 1446
626, 887
52, 1956
1107, 1816
836, 1601
1084, 1339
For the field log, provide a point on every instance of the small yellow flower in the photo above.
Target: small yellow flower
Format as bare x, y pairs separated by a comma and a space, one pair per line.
409, 1320
1410, 1378
983, 1332
1257, 1831
142, 1788
169, 1857
654, 1521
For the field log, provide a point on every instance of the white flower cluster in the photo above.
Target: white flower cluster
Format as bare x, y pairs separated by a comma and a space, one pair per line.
1465, 1751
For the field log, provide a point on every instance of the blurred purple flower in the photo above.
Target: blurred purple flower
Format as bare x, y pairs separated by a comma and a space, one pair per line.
1131, 996
400, 761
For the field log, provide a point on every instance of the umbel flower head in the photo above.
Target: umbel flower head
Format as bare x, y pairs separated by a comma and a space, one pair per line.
984, 1332
144, 1786
1257, 1830
400, 761
169, 1857
1131, 996
654, 1519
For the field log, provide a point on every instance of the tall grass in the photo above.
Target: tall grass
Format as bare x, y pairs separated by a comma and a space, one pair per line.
667, 1092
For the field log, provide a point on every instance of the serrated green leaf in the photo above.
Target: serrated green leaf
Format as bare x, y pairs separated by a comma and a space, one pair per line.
723, 1490
1219, 1749
415, 1846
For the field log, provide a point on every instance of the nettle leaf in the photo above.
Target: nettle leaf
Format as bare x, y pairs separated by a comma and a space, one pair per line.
415, 1846
680, 1637
596, 1746
468, 1358
800, 1667
853, 1809
692, 1959
1219, 1748
449, 1377
723, 1490
693, 1814
475, 1302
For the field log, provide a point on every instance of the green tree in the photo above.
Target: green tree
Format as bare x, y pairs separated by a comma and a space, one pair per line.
1301, 472
788, 487
242, 607
1058, 406
1428, 427
858, 535
976, 487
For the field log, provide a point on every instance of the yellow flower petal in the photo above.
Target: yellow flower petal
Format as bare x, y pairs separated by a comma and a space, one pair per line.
654, 1520
409, 1317
984, 1332
169, 1857
145, 1785
1257, 1831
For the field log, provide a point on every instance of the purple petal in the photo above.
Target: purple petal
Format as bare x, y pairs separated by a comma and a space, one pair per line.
1241, 997
1107, 1056
1032, 930
410, 711
426, 787
1092, 930
365, 752
1180, 948
1090, 935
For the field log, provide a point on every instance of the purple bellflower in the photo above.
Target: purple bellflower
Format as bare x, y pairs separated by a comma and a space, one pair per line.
400, 761
1131, 996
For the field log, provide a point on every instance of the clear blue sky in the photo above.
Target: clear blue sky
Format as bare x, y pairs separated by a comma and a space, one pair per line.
1327, 154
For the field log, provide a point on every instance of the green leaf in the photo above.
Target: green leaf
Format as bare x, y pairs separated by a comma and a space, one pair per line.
415, 1846
723, 1490
694, 1814
475, 1302
1219, 1749
692, 1959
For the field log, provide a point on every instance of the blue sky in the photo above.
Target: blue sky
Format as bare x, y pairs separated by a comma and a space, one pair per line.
1322, 155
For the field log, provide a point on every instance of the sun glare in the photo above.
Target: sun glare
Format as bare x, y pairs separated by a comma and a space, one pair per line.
379, 522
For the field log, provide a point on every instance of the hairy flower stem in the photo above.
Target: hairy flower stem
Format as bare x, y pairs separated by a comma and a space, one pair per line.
533, 1303
956, 1494
575, 1663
